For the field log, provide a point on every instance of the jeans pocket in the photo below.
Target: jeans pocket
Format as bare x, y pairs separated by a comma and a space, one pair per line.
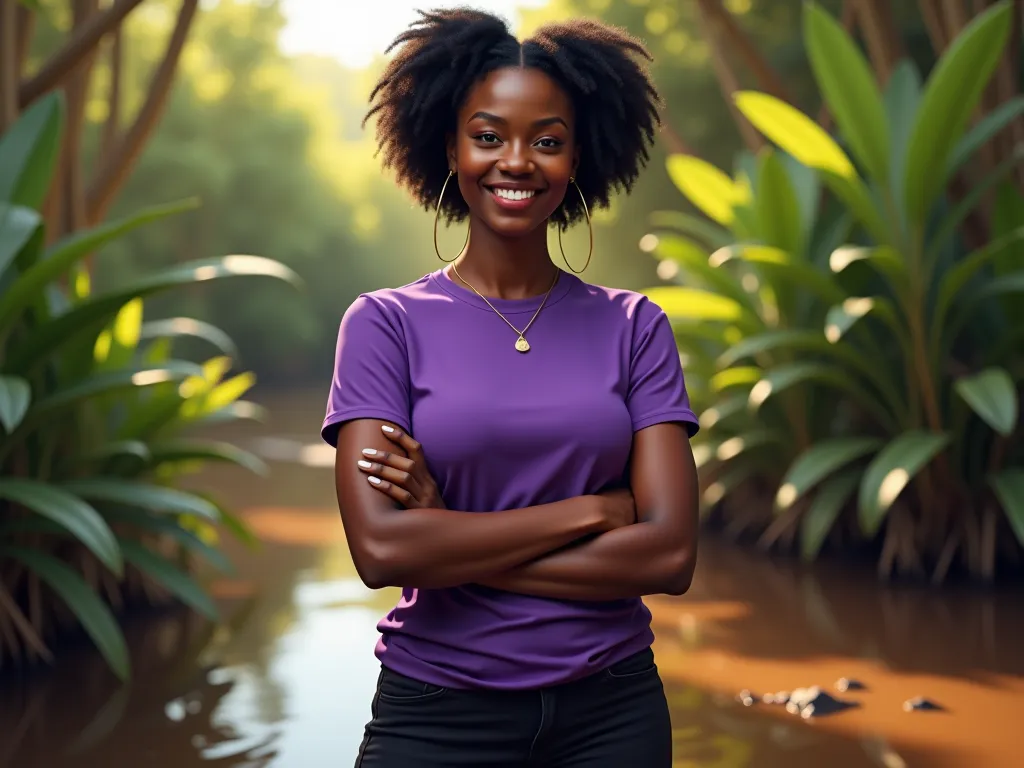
396, 687
632, 667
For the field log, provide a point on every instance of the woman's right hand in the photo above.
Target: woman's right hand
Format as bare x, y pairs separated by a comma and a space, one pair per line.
618, 507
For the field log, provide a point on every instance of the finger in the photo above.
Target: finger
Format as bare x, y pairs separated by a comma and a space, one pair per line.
411, 447
390, 459
400, 495
393, 476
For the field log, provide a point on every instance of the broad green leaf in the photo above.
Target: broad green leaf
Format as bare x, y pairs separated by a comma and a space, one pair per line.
169, 577
15, 396
789, 375
730, 449
141, 495
17, 225
28, 152
218, 397
134, 448
70, 512
743, 376
950, 96
884, 259
693, 304
694, 260
91, 315
982, 131
992, 395
177, 327
110, 382
1009, 488
704, 185
890, 472
807, 188
94, 616
727, 481
819, 462
240, 410
776, 205
783, 267
902, 97
116, 345
63, 255
724, 408
169, 527
849, 88
842, 317
205, 450
823, 511
703, 230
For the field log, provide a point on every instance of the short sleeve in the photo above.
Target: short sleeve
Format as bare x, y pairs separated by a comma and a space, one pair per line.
371, 370
657, 390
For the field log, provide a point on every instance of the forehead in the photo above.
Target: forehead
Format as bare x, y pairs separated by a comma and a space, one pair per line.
517, 92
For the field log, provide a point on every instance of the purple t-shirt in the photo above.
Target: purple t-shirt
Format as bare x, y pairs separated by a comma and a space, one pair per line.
503, 430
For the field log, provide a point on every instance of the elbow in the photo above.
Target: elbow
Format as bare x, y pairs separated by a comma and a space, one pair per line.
676, 575
375, 565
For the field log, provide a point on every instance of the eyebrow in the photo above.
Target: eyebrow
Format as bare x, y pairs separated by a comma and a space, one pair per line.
543, 122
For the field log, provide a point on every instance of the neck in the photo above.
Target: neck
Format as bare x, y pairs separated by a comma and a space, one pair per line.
505, 268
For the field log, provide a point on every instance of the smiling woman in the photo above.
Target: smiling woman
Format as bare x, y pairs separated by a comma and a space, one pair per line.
512, 443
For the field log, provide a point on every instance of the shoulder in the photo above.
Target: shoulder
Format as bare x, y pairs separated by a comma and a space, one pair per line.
391, 305
630, 308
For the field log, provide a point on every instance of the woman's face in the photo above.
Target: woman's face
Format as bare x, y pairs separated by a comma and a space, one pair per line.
513, 150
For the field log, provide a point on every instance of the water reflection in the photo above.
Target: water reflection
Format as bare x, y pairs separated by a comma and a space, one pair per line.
286, 678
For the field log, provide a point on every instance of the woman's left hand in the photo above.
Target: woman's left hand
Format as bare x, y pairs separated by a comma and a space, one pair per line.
406, 480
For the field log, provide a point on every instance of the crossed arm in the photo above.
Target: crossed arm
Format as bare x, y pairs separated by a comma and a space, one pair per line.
547, 550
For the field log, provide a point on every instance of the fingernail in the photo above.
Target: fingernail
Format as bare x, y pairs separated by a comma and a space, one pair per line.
369, 451
374, 480
387, 429
364, 464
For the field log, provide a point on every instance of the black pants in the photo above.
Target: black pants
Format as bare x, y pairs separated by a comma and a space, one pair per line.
617, 718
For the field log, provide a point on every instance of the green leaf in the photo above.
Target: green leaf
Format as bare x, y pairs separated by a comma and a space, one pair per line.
163, 526
241, 410
703, 230
17, 226
205, 450
94, 616
992, 395
724, 408
789, 375
777, 207
743, 376
819, 462
692, 304
178, 327
169, 577
92, 314
784, 268
982, 131
117, 448
28, 152
15, 396
824, 510
848, 86
730, 449
842, 317
885, 260
70, 512
694, 260
890, 472
807, 188
902, 97
133, 493
1009, 488
704, 185
63, 255
950, 96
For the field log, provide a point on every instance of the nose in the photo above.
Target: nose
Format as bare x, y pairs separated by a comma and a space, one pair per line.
515, 160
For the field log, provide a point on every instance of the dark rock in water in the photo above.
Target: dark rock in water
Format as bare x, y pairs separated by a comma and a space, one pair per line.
844, 684
814, 702
921, 704
746, 698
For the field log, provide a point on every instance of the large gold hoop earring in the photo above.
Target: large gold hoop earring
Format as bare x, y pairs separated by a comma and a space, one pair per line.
590, 227
437, 214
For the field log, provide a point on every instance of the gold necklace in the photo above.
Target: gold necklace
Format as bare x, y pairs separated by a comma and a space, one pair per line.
522, 345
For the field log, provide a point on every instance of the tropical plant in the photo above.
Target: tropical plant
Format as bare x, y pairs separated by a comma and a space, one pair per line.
855, 356
94, 416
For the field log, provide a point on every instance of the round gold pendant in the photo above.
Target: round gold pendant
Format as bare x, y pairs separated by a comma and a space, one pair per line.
522, 345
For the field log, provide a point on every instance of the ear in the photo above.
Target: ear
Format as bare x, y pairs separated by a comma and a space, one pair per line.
450, 152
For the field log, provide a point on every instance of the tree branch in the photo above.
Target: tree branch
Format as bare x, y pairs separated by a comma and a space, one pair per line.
83, 40
112, 124
26, 29
117, 165
880, 36
8, 63
935, 25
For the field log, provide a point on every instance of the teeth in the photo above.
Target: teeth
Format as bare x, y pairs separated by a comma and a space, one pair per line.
514, 194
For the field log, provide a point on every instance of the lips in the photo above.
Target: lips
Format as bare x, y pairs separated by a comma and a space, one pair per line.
515, 199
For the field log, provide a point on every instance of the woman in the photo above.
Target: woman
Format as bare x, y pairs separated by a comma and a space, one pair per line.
546, 403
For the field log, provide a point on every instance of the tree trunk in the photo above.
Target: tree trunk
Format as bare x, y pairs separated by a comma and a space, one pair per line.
8, 63
111, 127
117, 165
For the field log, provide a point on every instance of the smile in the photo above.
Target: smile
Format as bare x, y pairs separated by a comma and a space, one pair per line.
513, 199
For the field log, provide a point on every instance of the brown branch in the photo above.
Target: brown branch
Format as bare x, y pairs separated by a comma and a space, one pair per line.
727, 80
740, 42
83, 40
112, 124
675, 141
26, 29
935, 24
116, 166
8, 63
880, 36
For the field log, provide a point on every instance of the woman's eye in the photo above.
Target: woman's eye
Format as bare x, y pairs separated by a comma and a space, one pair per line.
549, 143
488, 138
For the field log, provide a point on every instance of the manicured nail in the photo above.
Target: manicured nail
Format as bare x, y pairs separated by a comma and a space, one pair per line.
387, 429
364, 464
374, 480
369, 451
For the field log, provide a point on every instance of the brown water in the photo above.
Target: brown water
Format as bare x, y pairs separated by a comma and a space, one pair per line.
285, 679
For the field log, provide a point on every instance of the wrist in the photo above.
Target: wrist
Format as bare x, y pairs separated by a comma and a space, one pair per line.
602, 519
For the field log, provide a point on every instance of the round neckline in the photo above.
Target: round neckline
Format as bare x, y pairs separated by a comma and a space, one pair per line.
456, 290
